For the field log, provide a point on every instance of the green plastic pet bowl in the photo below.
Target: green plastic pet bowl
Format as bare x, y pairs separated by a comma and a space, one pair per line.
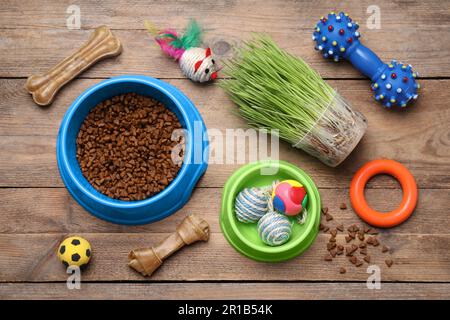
244, 236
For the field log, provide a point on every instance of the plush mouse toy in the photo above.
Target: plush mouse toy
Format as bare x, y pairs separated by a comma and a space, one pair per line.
197, 63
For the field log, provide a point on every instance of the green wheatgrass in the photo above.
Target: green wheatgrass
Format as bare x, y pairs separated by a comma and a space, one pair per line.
276, 90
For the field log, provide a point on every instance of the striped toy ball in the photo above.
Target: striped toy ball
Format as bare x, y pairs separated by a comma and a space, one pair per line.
274, 229
251, 204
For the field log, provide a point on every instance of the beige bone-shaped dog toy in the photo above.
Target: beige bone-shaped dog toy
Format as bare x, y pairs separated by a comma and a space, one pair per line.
102, 44
190, 230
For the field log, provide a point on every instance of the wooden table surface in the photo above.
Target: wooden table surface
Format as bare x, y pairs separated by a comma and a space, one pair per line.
37, 212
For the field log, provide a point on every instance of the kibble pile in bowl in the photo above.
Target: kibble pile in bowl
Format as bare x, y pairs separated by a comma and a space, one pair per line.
125, 147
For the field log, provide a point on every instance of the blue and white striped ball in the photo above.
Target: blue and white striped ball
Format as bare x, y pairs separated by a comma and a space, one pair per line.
251, 204
274, 229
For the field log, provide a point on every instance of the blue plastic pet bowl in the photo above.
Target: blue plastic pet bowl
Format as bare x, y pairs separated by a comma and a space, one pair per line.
176, 194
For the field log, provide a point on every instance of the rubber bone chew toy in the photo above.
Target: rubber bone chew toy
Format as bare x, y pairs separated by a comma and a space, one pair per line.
197, 63
190, 230
394, 84
102, 44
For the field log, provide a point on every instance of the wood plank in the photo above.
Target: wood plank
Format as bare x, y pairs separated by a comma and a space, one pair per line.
220, 291
47, 210
418, 137
122, 14
34, 35
32, 257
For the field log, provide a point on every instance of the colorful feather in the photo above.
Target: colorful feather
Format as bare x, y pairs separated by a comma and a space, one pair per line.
151, 28
171, 43
192, 36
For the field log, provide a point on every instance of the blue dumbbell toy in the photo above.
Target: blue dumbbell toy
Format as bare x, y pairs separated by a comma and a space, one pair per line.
394, 84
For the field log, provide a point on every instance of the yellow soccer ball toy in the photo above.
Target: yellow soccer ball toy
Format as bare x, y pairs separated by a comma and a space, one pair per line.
74, 251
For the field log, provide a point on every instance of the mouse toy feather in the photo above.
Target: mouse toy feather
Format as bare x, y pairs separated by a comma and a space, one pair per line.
197, 63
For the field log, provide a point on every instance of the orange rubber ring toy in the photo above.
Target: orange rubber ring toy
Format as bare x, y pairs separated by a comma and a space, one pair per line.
407, 182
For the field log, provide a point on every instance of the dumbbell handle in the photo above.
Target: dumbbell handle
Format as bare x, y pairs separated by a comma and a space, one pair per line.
365, 60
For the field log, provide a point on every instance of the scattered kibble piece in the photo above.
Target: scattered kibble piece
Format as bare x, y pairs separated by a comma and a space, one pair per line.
343, 206
331, 245
328, 257
328, 217
361, 236
350, 250
359, 263
370, 240
325, 210
389, 262
367, 259
340, 227
384, 249
333, 232
333, 252
342, 270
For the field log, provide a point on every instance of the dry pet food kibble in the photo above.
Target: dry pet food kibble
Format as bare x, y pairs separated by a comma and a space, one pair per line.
360, 239
124, 147
389, 262
333, 232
